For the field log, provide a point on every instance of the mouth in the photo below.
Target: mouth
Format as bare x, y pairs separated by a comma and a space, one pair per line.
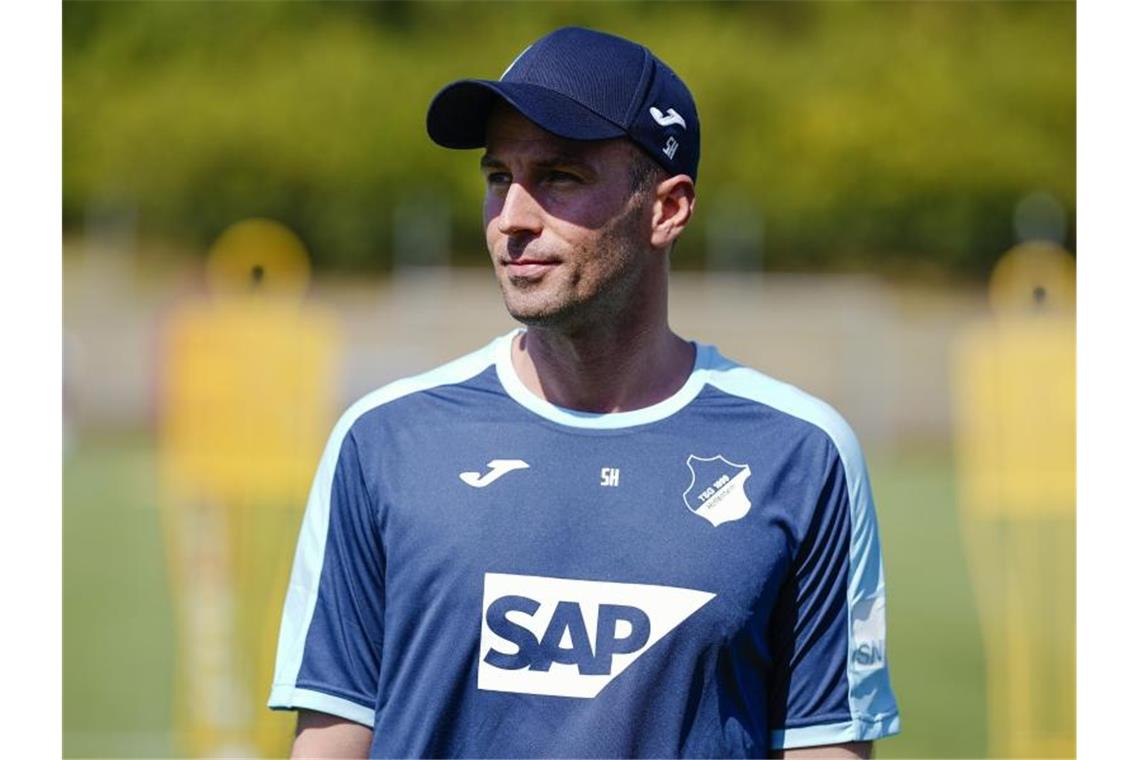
527, 268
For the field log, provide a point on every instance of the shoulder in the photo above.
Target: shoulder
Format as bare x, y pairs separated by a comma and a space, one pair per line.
455, 372
819, 417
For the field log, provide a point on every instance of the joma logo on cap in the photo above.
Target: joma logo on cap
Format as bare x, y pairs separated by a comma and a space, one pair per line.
667, 118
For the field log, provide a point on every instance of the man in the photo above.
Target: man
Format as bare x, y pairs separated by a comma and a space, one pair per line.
591, 537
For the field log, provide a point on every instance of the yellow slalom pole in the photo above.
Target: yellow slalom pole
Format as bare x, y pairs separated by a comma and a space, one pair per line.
1015, 418
248, 395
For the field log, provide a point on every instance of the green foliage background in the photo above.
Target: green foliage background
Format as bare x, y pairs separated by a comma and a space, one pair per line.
893, 137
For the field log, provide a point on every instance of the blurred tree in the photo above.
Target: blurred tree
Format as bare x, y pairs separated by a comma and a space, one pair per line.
896, 137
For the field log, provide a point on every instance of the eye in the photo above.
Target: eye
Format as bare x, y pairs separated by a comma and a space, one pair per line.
560, 177
498, 179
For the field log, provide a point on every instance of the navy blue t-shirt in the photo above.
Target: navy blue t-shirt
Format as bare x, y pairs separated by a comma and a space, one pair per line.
482, 573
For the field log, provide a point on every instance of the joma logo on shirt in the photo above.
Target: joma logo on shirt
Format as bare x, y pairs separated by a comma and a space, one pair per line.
571, 638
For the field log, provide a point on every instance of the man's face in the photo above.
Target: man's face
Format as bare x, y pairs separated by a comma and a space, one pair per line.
567, 236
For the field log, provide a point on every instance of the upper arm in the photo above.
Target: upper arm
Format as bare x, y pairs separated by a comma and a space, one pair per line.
830, 684
328, 654
322, 735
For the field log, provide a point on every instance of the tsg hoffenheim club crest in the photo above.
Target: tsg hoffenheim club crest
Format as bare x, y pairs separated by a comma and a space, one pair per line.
716, 492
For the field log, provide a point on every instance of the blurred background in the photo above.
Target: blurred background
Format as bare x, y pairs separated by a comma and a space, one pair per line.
257, 231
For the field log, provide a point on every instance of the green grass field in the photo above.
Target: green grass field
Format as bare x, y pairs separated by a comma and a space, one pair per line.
118, 630
117, 627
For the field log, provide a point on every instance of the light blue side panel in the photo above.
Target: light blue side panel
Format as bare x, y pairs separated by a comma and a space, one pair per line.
874, 711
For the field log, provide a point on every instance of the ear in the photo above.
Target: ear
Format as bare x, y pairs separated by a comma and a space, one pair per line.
672, 208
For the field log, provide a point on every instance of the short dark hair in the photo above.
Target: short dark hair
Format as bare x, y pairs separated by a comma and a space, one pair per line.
644, 172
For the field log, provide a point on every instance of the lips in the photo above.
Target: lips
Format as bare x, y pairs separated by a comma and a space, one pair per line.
528, 267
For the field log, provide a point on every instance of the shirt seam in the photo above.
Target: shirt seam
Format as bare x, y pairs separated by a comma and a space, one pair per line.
839, 718
331, 692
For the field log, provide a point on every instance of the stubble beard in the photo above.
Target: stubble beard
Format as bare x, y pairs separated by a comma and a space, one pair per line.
568, 309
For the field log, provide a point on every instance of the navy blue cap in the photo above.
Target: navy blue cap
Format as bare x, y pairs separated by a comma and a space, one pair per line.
582, 85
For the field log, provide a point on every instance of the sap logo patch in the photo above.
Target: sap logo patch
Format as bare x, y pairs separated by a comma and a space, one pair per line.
869, 631
571, 638
869, 654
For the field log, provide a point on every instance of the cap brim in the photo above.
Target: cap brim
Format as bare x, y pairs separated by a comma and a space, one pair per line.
457, 116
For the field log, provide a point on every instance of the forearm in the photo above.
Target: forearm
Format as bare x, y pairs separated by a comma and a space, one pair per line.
847, 751
321, 735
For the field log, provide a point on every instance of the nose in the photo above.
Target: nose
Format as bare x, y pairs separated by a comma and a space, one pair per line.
520, 212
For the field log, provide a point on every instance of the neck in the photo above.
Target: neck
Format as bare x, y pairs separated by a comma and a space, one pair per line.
610, 370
